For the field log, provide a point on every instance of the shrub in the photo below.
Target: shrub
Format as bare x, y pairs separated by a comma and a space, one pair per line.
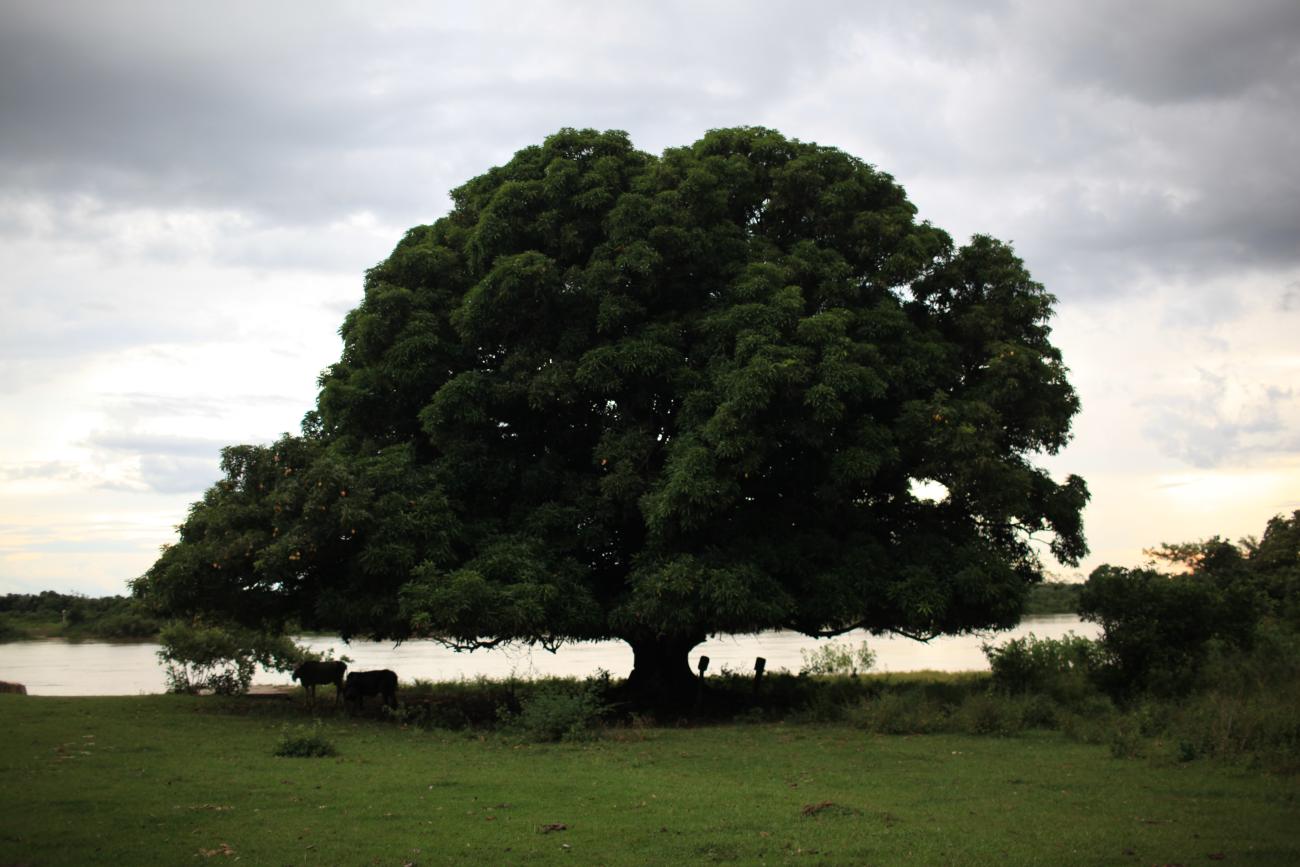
304, 742
1057, 667
1126, 739
834, 658
220, 659
989, 714
902, 712
1040, 712
558, 710
1157, 628
1093, 722
1249, 706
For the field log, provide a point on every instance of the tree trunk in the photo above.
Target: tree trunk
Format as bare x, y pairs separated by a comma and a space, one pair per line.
661, 671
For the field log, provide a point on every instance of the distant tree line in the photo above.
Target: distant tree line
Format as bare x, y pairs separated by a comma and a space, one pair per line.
1054, 597
63, 615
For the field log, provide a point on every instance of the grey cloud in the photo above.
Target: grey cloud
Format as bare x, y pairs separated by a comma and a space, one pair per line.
87, 546
1205, 432
291, 117
1290, 299
302, 120
158, 444
60, 470
1174, 50
134, 406
1109, 142
166, 474
86, 334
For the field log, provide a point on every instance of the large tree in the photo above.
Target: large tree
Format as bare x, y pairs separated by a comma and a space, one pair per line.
613, 395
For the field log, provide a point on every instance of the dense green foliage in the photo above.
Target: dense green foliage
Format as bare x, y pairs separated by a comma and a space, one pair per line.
1062, 669
613, 395
558, 710
221, 659
178, 780
1159, 628
1205, 659
62, 615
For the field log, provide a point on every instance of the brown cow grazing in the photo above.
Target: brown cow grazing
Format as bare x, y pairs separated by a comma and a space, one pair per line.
363, 683
18, 688
312, 673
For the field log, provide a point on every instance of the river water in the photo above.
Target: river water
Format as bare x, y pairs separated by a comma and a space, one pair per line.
57, 667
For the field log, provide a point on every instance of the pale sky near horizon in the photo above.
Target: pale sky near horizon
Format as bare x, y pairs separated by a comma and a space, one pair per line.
190, 195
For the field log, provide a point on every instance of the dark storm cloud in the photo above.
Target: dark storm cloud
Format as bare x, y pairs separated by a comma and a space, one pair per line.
300, 116
181, 104
1164, 127
1175, 50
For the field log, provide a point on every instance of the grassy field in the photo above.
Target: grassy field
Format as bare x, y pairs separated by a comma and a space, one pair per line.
185, 780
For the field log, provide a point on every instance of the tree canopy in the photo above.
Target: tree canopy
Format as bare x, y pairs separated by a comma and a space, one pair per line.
618, 395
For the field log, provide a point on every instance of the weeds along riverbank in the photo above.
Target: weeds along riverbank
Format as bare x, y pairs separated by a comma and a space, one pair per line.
181, 779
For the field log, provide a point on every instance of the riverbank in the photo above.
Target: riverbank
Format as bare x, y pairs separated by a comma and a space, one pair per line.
54, 667
175, 779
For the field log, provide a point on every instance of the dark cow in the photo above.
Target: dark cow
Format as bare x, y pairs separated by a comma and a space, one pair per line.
313, 673
363, 683
18, 688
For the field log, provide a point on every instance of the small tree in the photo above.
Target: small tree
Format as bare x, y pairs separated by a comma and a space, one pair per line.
221, 659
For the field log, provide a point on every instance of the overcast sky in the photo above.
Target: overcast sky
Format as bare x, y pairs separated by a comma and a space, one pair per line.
190, 194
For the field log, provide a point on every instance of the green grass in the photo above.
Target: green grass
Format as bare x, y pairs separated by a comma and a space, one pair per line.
184, 780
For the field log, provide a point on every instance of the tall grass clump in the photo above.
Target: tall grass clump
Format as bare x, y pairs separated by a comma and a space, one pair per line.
1249, 707
304, 742
834, 658
558, 710
903, 712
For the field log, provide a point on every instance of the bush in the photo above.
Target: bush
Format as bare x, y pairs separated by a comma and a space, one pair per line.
303, 742
1126, 739
1060, 668
1249, 706
837, 659
1093, 722
220, 659
989, 714
1157, 628
558, 710
1040, 712
902, 712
